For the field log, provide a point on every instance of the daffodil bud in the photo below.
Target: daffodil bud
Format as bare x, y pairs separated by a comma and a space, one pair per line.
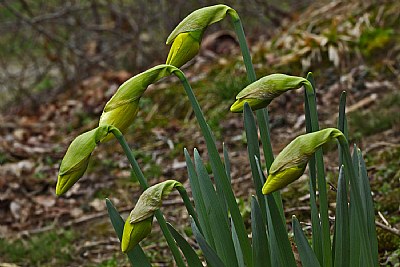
186, 37
135, 232
261, 92
76, 159
121, 109
184, 47
290, 164
138, 224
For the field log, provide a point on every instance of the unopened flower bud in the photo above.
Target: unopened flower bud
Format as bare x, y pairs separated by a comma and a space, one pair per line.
76, 159
290, 164
138, 224
121, 109
186, 37
184, 47
261, 92
135, 232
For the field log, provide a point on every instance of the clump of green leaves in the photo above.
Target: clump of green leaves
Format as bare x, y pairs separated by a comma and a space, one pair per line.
216, 220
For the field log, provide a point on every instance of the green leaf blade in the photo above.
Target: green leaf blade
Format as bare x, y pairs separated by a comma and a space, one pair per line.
281, 250
261, 253
199, 201
342, 230
136, 256
253, 152
369, 206
190, 255
307, 256
210, 255
219, 223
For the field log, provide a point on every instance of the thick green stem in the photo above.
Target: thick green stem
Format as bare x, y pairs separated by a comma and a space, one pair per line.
142, 180
355, 187
219, 171
188, 205
127, 150
323, 198
262, 115
238, 27
315, 219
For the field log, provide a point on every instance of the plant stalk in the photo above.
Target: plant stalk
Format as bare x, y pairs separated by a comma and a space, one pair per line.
262, 114
323, 198
219, 171
142, 180
188, 205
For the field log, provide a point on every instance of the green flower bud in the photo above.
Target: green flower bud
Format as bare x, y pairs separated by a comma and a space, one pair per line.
186, 37
184, 47
290, 164
261, 92
135, 232
121, 109
198, 20
138, 224
76, 159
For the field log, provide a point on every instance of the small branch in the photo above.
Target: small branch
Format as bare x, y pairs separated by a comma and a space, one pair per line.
388, 228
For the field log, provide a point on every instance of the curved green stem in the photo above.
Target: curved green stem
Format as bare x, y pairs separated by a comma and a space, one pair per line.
128, 152
142, 180
323, 199
238, 27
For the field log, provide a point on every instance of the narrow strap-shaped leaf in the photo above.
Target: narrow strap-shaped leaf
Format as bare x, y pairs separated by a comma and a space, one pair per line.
238, 249
342, 231
342, 121
315, 220
210, 255
315, 226
219, 172
355, 236
261, 254
321, 179
359, 244
227, 163
369, 205
281, 250
219, 223
253, 149
136, 256
356, 166
199, 201
220, 191
190, 255
307, 256
263, 124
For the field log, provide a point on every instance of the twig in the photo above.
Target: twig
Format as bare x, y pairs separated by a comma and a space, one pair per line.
388, 228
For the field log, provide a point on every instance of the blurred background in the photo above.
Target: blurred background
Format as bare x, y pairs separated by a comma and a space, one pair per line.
47, 46
60, 62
